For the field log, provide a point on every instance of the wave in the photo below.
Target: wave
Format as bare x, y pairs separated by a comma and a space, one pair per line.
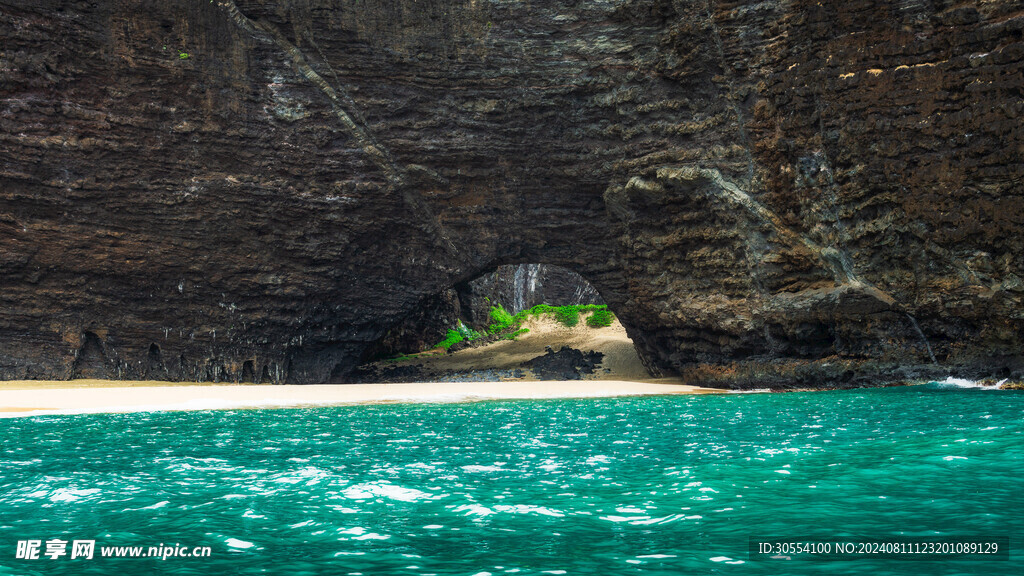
964, 383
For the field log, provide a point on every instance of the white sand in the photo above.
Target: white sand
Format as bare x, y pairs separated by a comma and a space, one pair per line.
31, 398
626, 377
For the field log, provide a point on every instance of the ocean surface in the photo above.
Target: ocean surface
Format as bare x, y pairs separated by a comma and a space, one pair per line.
644, 485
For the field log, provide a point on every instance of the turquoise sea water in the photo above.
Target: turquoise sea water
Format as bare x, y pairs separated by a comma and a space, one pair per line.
647, 485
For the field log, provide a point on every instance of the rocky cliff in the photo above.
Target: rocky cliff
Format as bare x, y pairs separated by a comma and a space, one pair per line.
776, 191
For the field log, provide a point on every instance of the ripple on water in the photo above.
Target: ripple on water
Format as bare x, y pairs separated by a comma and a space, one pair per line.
664, 485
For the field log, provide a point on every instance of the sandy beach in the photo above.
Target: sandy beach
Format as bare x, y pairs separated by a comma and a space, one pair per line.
620, 360
30, 398
621, 374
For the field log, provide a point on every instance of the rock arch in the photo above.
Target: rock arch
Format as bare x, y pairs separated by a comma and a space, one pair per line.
792, 193
513, 287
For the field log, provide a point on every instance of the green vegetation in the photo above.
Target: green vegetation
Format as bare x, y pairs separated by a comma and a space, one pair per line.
183, 55
516, 334
567, 315
467, 332
501, 320
458, 334
600, 318
452, 338
508, 327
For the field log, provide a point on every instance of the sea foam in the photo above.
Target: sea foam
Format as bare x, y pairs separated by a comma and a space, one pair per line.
964, 383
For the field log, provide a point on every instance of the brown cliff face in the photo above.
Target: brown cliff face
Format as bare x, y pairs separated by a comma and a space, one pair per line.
763, 192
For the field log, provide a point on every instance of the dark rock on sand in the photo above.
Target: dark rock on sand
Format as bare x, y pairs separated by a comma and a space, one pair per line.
566, 364
368, 374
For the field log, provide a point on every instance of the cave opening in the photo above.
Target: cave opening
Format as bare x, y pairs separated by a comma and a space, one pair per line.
543, 309
155, 369
248, 372
91, 358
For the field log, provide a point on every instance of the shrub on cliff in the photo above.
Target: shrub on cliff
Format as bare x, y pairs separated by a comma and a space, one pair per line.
508, 326
600, 318
565, 315
568, 315
452, 338
501, 320
458, 334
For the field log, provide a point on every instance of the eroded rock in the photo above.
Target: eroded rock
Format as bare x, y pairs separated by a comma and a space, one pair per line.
778, 188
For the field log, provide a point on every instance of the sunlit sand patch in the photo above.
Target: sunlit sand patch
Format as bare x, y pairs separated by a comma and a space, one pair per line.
620, 362
620, 374
119, 397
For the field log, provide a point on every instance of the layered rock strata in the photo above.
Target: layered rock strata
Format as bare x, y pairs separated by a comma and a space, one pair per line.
764, 192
